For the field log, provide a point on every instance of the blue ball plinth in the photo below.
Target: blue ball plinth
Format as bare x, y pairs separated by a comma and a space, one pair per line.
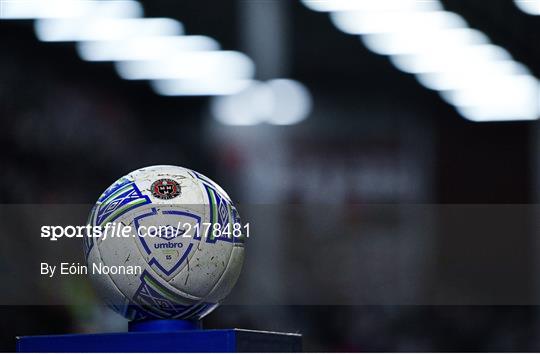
164, 336
164, 325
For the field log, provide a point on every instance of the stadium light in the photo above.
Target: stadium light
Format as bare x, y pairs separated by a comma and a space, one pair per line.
199, 87
480, 79
531, 7
277, 102
144, 48
217, 65
104, 29
395, 21
369, 5
250, 106
462, 78
408, 42
450, 59
292, 102
41, 9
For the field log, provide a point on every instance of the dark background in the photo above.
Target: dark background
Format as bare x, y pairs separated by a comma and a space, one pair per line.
69, 128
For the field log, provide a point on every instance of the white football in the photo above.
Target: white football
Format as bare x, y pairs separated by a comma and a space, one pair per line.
184, 251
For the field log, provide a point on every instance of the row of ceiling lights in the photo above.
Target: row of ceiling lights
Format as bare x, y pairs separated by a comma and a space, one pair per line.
158, 50
480, 79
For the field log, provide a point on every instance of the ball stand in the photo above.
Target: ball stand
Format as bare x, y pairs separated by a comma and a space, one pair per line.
164, 325
164, 336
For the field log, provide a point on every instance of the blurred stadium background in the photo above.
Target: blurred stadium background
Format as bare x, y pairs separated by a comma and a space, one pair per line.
329, 125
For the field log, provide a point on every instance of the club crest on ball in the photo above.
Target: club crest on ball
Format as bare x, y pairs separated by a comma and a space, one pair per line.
165, 188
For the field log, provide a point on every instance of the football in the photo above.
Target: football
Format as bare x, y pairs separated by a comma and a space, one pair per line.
170, 244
